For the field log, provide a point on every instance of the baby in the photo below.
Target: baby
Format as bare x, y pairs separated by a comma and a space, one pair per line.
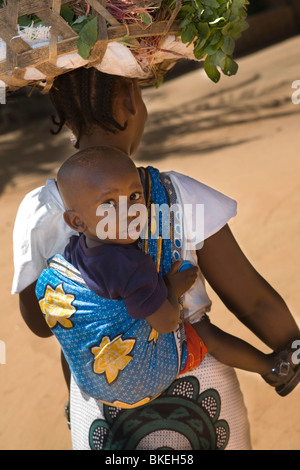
118, 321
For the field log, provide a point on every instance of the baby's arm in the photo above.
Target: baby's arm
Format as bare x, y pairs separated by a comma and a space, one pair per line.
167, 317
233, 351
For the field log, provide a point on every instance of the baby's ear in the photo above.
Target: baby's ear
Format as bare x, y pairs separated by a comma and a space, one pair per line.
74, 221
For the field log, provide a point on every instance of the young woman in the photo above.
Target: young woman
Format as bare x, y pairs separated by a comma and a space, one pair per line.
203, 408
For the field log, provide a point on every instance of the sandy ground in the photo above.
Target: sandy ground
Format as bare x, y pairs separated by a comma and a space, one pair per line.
240, 137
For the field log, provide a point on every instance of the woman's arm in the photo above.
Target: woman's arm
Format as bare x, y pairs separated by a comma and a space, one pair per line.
31, 312
245, 293
33, 317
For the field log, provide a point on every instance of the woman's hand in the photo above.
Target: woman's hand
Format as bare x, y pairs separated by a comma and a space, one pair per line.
182, 281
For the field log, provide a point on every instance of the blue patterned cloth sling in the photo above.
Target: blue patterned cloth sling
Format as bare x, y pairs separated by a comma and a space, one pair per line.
113, 357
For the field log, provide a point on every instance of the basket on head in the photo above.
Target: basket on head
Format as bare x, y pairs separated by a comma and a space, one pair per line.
37, 61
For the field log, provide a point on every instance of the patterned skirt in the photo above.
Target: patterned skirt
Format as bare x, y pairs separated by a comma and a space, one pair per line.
202, 410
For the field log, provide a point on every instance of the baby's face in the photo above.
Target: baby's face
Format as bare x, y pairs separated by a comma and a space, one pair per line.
115, 210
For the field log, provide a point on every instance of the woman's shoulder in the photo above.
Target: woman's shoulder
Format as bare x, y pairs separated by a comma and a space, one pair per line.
196, 191
39, 233
43, 196
216, 208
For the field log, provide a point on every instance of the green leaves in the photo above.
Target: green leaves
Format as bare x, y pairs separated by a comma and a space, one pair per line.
87, 29
67, 13
27, 20
211, 70
211, 3
89, 33
189, 33
213, 27
228, 45
230, 67
146, 18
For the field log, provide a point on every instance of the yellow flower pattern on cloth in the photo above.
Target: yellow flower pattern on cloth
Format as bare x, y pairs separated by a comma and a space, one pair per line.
153, 336
128, 406
57, 307
111, 356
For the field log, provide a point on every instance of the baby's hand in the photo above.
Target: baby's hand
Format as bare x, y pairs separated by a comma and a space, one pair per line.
182, 281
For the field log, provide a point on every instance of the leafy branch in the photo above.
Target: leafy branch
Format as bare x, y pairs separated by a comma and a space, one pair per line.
213, 26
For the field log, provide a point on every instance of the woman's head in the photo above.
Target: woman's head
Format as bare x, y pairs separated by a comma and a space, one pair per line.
90, 102
102, 193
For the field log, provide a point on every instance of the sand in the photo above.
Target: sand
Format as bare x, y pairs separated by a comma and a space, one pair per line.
240, 137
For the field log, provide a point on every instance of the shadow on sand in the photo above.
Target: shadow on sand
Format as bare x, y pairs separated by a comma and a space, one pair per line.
213, 122
27, 146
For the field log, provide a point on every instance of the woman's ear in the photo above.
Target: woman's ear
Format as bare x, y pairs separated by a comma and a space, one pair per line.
74, 221
129, 97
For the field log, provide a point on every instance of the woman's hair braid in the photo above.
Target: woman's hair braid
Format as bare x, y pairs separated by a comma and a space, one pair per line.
84, 98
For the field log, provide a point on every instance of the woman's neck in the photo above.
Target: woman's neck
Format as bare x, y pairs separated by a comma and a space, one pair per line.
100, 139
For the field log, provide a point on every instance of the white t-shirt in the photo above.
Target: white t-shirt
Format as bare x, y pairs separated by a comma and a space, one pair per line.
40, 232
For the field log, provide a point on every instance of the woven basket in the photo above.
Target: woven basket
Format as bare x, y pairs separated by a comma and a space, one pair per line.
20, 55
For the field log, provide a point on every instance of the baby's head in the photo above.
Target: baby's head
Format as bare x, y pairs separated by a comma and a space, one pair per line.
102, 193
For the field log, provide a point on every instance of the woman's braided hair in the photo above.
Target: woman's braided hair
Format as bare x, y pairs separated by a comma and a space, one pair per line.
84, 98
